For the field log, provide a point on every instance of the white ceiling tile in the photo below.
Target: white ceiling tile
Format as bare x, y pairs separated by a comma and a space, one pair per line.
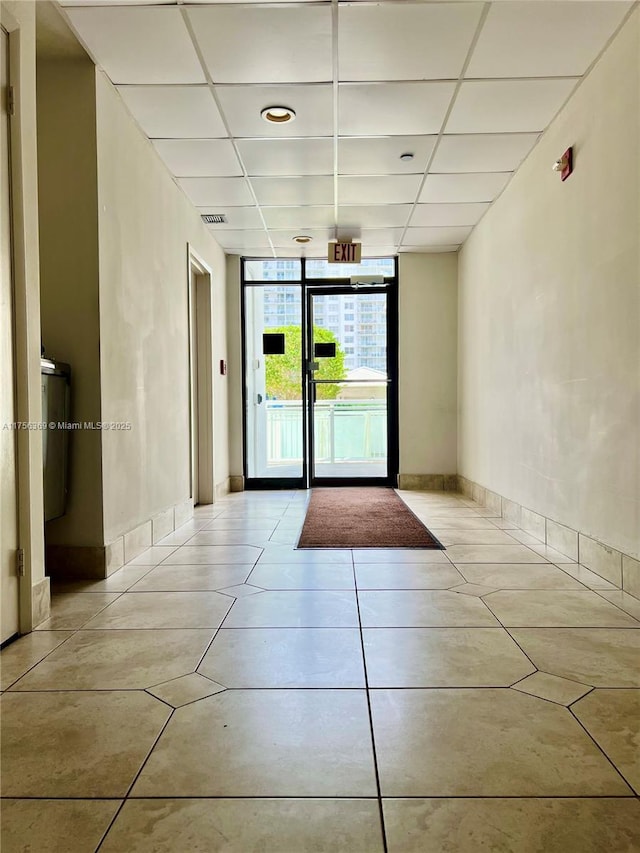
508, 106
374, 216
312, 250
436, 236
483, 186
237, 218
448, 214
487, 152
533, 39
388, 109
313, 106
199, 157
217, 192
384, 189
282, 192
265, 45
299, 217
380, 155
243, 2
378, 251
287, 156
178, 112
405, 42
321, 237
432, 250
380, 236
250, 251
119, 2
138, 44
243, 239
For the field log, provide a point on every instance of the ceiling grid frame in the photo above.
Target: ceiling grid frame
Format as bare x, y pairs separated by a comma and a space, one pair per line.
406, 241
472, 46
212, 90
335, 67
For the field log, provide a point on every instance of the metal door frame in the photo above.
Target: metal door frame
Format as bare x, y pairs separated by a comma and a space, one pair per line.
309, 287
338, 287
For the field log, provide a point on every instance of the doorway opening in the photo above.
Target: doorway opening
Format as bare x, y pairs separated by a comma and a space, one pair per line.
320, 373
9, 579
201, 381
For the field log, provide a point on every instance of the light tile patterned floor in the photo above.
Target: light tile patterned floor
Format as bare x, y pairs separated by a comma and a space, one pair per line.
225, 692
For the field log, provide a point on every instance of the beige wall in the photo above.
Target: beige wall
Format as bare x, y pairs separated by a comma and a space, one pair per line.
236, 379
68, 212
427, 363
19, 20
145, 227
549, 318
428, 302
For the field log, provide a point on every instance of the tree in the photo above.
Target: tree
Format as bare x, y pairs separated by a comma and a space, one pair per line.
283, 372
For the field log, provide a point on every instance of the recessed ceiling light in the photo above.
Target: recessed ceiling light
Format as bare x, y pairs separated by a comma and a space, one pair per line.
407, 156
302, 238
278, 115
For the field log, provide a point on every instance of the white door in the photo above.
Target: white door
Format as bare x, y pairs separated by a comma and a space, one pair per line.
202, 479
195, 402
8, 483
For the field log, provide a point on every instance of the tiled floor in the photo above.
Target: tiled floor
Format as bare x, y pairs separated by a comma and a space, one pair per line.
225, 692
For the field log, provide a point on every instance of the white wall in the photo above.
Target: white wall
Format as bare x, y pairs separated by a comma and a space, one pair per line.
427, 363
146, 224
236, 379
428, 302
19, 20
549, 318
68, 214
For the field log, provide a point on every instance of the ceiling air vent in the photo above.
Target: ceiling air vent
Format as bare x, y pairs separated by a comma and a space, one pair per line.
214, 218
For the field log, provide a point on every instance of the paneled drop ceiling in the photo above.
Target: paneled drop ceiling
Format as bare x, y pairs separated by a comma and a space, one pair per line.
466, 87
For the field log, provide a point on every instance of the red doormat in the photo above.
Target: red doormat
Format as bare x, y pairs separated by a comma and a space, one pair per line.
362, 518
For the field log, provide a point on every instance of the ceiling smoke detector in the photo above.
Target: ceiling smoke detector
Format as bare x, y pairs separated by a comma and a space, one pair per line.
214, 218
302, 238
406, 156
278, 115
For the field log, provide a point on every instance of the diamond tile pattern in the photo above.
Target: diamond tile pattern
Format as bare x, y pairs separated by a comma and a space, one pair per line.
186, 689
367, 81
259, 693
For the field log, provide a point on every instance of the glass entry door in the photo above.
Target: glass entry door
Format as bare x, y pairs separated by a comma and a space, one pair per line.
320, 390
275, 425
349, 386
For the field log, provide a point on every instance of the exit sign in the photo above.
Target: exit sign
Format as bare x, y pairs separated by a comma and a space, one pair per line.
345, 253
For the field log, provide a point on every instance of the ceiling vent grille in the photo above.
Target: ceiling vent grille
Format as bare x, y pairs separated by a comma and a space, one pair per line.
214, 218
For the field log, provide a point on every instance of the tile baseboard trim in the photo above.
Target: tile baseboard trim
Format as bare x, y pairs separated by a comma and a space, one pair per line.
236, 483
421, 482
93, 562
620, 569
70, 562
40, 601
223, 488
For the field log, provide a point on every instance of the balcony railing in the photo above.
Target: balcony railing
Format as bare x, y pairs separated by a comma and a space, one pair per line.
344, 430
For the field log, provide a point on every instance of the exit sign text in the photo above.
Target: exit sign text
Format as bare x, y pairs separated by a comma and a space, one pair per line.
345, 253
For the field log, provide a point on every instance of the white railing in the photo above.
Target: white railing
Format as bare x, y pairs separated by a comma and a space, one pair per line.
344, 430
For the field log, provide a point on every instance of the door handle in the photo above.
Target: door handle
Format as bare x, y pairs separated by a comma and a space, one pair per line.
258, 398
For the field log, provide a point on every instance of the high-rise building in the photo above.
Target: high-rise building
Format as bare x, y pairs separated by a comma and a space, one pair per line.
359, 325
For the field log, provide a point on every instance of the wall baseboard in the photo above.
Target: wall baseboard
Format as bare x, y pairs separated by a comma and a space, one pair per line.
40, 602
236, 483
444, 482
70, 562
223, 488
621, 570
